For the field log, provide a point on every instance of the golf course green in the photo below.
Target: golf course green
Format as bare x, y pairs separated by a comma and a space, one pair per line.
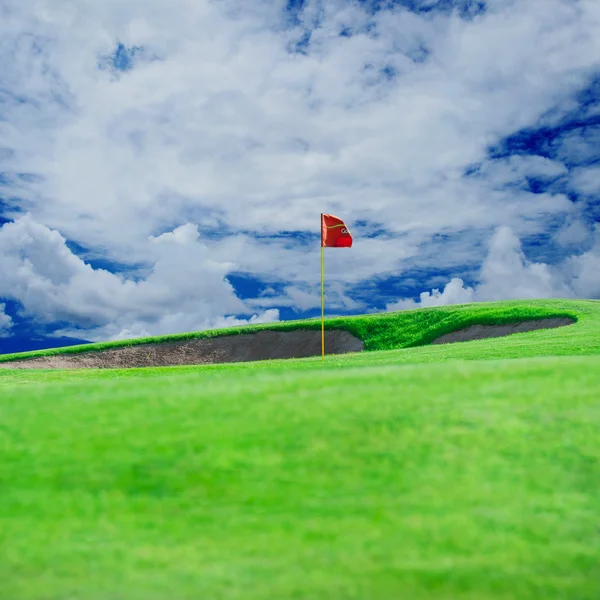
407, 471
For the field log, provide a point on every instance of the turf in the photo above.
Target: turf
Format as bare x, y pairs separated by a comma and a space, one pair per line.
373, 476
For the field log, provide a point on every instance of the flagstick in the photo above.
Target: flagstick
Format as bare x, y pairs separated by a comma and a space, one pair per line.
322, 297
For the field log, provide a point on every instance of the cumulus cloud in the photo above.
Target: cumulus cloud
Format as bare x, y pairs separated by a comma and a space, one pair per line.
5, 322
185, 290
581, 271
506, 274
233, 122
454, 292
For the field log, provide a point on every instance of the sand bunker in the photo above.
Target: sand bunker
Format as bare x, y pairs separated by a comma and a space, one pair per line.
262, 345
480, 332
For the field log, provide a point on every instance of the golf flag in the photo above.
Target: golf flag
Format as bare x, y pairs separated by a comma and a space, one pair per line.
334, 234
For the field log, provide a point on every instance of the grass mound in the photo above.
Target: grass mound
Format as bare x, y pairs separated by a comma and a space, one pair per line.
385, 331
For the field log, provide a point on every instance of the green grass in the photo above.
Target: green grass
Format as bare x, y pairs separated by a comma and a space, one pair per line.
385, 331
422, 473
404, 333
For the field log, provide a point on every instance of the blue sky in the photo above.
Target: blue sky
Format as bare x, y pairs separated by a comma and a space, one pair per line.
163, 164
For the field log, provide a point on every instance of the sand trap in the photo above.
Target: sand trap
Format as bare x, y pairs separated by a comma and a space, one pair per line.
480, 332
262, 345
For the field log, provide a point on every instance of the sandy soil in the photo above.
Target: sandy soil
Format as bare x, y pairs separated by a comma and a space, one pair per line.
263, 345
480, 332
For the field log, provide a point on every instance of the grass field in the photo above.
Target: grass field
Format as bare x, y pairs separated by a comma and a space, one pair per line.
466, 471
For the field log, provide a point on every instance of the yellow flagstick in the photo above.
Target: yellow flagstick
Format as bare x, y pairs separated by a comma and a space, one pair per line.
323, 302
322, 294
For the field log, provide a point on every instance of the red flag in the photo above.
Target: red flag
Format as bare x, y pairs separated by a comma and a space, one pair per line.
334, 233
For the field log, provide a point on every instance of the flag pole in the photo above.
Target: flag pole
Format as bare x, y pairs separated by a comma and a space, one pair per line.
322, 294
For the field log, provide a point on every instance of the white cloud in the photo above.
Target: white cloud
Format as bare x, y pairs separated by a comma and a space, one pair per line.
453, 293
5, 322
587, 180
506, 274
515, 169
574, 233
228, 131
185, 290
580, 146
583, 271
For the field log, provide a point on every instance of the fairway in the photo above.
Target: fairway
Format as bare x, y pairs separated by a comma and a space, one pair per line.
464, 471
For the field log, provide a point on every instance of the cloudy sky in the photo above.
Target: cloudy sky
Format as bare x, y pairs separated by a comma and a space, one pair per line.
163, 163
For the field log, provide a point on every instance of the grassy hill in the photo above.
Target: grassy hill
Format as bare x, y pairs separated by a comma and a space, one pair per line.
407, 473
406, 329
